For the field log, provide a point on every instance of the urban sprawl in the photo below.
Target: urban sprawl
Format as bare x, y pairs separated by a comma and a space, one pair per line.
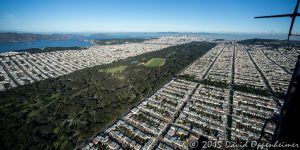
19, 68
184, 110
201, 101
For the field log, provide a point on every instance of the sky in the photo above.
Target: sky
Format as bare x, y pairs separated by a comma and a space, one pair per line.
145, 16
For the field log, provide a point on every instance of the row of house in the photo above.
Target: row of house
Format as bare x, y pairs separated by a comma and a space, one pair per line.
184, 110
276, 76
22, 68
245, 72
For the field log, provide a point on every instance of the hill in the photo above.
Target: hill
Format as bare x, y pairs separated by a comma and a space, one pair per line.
29, 37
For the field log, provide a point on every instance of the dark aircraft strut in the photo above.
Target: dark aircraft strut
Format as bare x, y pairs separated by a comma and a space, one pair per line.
293, 16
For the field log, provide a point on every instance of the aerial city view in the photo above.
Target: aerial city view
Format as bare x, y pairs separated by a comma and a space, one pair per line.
149, 75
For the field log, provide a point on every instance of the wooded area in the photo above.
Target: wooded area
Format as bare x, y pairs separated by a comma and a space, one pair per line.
63, 112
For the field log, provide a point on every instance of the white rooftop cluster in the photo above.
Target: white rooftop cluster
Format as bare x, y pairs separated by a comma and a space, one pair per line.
245, 71
187, 108
277, 77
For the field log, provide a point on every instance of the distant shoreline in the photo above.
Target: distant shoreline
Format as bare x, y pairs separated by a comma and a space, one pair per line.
78, 40
48, 44
86, 44
68, 41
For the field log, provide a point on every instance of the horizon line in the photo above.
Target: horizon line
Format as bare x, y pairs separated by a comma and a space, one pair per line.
93, 32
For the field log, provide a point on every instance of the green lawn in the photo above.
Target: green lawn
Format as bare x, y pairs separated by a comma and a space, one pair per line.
155, 62
114, 70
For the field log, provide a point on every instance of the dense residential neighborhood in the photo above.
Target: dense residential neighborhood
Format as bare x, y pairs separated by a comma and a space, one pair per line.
19, 68
149, 74
227, 94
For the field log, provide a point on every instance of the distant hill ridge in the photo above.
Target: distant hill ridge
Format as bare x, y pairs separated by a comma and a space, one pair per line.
29, 37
